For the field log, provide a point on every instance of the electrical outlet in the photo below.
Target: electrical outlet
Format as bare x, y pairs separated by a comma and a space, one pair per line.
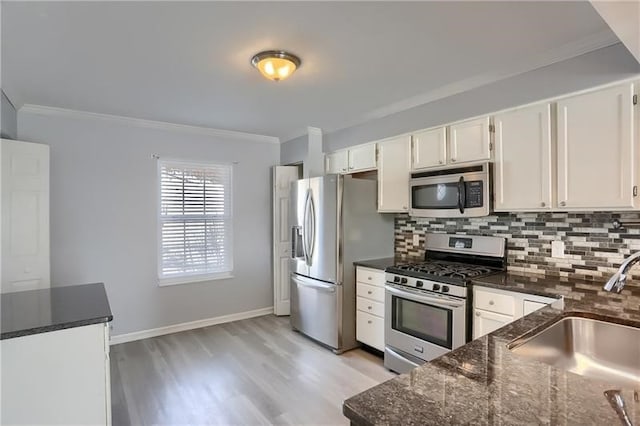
557, 249
416, 240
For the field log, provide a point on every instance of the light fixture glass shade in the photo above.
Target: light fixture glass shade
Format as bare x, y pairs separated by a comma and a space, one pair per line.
275, 65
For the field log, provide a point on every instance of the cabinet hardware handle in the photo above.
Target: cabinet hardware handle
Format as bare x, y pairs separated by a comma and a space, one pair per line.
351, 167
563, 203
368, 307
542, 204
440, 161
344, 169
404, 207
369, 278
491, 302
477, 314
369, 321
369, 291
453, 160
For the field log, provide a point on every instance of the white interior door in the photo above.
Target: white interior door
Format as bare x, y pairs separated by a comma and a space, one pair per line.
283, 176
24, 217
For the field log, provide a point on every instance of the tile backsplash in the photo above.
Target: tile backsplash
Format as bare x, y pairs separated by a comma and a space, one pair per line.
593, 247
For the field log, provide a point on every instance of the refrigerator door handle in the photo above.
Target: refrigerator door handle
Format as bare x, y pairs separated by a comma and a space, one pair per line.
312, 220
314, 284
304, 229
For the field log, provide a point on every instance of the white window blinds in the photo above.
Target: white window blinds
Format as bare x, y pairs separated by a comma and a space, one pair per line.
195, 221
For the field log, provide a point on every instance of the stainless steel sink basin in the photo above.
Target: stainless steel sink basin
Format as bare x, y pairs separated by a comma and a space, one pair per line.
589, 347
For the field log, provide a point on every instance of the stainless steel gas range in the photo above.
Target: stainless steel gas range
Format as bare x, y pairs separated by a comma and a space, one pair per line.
426, 303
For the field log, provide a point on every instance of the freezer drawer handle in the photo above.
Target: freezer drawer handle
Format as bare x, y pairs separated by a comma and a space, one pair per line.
324, 287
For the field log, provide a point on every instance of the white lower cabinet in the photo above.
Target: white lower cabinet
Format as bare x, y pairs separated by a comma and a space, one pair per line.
58, 377
494, 308
370, 307
370, 330
529, 306
484, 322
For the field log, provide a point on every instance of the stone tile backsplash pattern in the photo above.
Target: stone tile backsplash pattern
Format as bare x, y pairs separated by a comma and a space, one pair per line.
593, 248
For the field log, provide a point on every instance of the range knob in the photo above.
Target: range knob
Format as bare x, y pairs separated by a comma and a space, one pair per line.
403, 281
445, 288
396, 279
419, 283
436, 287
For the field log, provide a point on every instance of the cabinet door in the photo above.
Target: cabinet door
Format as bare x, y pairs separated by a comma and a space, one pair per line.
362, 157
370, 330
485, 322
596, 150
429, 148
529, 306
469, 141
60, 377
336, 162
523, 163
393, 174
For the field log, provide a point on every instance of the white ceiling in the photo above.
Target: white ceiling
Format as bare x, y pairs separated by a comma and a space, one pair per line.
188, 63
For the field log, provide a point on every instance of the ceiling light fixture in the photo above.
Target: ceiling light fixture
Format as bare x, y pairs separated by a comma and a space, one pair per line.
275, 65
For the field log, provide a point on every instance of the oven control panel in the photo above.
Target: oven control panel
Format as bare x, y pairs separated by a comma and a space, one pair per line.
422, 284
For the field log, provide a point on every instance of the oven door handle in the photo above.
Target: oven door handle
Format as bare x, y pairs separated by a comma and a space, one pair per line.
462, 194
396, 355
422, 298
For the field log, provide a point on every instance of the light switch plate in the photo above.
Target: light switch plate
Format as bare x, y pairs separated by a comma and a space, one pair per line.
416, 240
557, 249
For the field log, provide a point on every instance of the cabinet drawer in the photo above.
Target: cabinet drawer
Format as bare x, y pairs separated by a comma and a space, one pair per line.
370, 330
370, 306
370, 276
370, 292
495, 302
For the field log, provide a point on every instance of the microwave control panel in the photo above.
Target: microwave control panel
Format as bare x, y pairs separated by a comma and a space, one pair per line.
474, 194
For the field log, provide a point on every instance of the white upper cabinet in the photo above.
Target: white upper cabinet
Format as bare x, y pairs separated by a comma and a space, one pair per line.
596, 150
362, 157
337, 162
470, 141
394, 163
356, 159
429, 148
524, 160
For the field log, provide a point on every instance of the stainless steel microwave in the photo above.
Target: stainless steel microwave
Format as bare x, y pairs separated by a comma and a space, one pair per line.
452, 192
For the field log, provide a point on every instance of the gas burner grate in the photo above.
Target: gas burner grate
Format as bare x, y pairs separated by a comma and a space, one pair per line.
446, 269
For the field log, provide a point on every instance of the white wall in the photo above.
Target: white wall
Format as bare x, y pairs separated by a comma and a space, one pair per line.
103, 216
582, 72
8, 118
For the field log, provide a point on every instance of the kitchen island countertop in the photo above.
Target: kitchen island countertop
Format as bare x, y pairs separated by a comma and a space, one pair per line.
483, 382
40, 311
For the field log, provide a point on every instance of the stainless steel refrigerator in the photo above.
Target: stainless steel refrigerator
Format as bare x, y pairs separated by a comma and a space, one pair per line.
334, 222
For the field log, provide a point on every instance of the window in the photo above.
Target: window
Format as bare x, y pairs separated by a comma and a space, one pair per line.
195, 226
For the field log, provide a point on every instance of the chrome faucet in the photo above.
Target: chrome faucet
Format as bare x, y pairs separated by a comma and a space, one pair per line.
618, 280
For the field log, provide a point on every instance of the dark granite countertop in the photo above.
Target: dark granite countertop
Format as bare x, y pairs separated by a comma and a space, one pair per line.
485, 383
39, 311
385, 262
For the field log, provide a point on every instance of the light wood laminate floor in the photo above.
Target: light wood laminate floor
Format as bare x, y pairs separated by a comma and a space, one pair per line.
255, 371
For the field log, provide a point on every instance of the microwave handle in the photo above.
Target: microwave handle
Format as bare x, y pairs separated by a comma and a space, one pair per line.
462, 194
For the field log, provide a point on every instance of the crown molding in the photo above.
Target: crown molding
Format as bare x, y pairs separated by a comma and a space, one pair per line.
561, 53
149, 124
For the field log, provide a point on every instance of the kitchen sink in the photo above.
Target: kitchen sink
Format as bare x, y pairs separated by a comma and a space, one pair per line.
588, 347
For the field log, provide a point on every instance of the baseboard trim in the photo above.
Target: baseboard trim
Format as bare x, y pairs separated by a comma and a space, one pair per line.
154, 332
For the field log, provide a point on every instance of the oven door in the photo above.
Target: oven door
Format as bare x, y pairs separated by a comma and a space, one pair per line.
423, 324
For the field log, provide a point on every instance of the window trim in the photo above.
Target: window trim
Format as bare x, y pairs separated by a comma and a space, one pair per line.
196, 277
